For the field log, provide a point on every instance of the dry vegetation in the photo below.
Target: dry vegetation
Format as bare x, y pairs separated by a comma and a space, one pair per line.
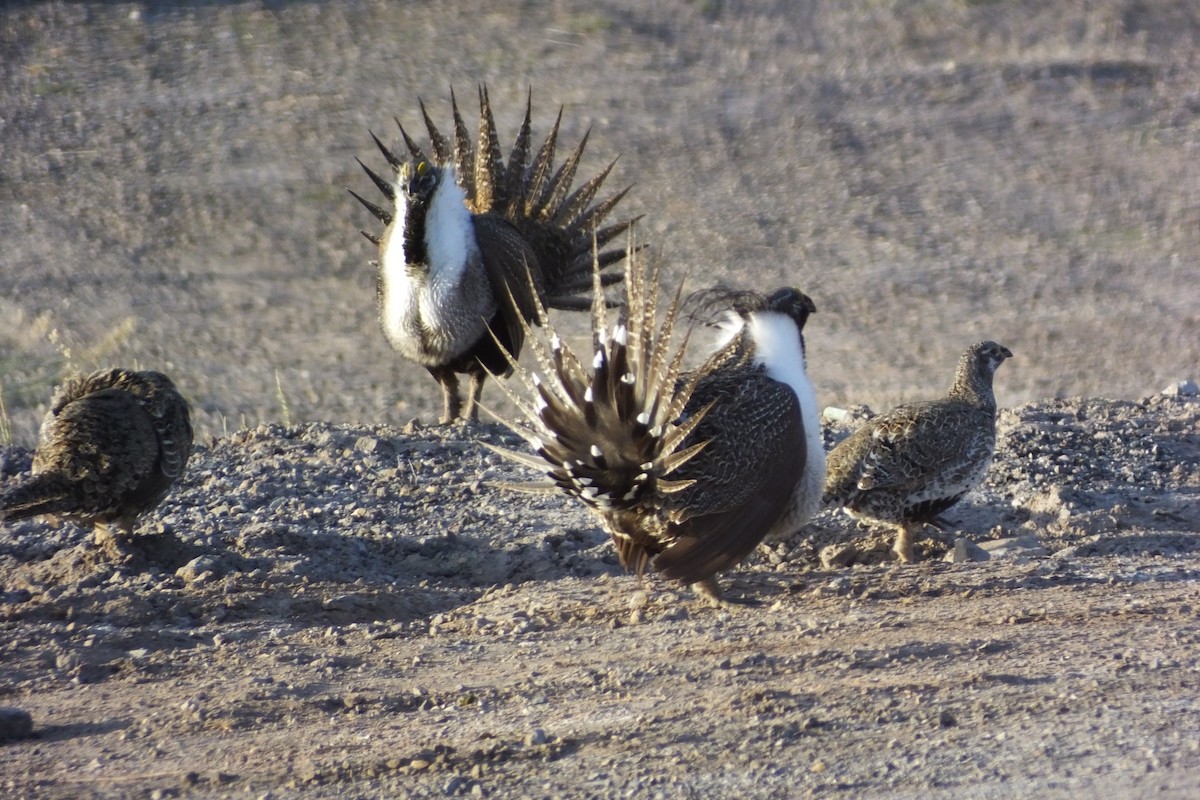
933, 173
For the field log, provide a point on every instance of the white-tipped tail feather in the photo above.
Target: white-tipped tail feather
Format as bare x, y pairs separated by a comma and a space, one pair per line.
687, 471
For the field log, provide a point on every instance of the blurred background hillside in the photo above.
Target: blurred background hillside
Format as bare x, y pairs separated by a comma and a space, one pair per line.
173, 175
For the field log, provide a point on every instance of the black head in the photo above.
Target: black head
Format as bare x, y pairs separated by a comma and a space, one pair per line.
792, 302
710, 305
418, 179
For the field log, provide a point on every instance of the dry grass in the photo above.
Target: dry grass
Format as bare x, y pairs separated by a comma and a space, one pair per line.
931, 172
38, 355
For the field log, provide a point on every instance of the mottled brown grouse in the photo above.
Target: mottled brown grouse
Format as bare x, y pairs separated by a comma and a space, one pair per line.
109, 449
473, 243
907, 466
687, 471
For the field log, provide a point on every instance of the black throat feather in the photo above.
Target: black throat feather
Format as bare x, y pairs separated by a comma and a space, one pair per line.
415, 250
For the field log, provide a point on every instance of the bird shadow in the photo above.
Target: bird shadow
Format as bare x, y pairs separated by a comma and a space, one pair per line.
78, 730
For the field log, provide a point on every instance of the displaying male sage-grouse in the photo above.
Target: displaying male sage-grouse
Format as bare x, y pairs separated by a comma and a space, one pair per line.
907, 466
109, 449
688, 471
473, 244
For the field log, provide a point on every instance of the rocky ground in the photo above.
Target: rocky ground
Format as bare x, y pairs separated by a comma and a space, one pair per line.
357, 611
338, 602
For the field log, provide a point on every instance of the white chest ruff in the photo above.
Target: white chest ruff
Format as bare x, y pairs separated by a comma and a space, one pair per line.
434, 312
777, 344
427, 319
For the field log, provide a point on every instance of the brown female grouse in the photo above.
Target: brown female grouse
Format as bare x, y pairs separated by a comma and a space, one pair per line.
110, 447
907, 466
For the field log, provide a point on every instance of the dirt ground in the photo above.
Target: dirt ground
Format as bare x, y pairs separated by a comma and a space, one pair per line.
337, 602
390, 624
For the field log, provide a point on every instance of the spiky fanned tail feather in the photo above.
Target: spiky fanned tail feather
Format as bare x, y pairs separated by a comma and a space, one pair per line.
562, 226
609, 430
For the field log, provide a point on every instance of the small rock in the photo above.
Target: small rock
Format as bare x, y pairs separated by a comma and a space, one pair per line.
1026, 546
193, 708
965, 551
372, 445
837, 556
15, 724
91, 673
835, 414
947, 720
536, 737
676, 614
199, 569
1182, 389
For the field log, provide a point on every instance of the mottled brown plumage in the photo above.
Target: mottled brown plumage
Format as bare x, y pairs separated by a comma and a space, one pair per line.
907, 466
687, 471
473, 242
109, 449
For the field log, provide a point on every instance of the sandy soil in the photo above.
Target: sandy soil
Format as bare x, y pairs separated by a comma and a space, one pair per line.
336, 601
341, 611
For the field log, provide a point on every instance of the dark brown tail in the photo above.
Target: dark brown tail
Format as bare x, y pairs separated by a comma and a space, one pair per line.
47, 493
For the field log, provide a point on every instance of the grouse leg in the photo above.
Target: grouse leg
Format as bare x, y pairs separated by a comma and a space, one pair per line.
709, 591
905, 536
470, 412
451, 402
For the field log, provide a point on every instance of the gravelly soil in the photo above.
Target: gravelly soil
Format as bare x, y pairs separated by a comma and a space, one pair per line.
356, 611
336, 602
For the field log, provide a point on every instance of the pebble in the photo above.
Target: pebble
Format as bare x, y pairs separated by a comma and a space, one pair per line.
835, 414
15, 723
965, 551
836, 556
1021, 547
199, 569
536, 737
1186, 388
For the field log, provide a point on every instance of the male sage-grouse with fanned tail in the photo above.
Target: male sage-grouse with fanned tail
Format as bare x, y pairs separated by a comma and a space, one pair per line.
109, 449
907, 466
688, 471
473, 244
